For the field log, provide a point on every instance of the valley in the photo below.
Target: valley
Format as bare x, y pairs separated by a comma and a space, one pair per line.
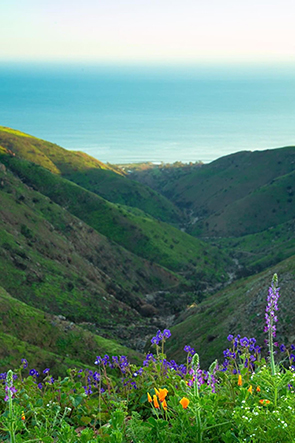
95, 258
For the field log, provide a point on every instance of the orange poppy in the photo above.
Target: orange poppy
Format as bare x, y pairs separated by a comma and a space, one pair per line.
164, 405
156, 403
240, 381
162, 394
149, 398
258, 389
250, 389
184, 402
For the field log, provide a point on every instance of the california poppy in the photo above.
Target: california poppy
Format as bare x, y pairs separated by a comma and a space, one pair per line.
184, 402
156, 403
162, 394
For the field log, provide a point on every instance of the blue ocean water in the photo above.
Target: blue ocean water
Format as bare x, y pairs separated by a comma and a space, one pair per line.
138, 113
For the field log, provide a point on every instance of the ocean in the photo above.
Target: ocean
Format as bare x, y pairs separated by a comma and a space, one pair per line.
122, 114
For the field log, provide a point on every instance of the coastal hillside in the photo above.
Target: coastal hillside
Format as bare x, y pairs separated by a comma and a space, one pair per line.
242, 203
53, 261
210, 188
103, 179
136, 231
237, 309
48, 340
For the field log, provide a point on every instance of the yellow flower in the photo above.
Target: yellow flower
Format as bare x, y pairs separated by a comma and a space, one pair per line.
23, 416
149, 398
156, 404
240, 381
250, 389
184, 402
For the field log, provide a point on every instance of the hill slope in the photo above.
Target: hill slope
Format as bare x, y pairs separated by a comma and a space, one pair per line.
46, 340
238, 309
90, 173
235, 195
53, 261
134, 230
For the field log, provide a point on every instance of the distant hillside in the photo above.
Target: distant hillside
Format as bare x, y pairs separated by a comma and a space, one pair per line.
105, 180
235, 195
238, 309
139, 233
48, 341
55, 262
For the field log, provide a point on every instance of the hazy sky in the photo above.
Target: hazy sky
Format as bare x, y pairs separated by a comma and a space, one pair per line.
148, 30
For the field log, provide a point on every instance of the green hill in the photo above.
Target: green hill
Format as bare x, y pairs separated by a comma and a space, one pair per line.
234, 195
139, 233
264, 207
102, 179
256, 252
48, 341
238, 309
55, 262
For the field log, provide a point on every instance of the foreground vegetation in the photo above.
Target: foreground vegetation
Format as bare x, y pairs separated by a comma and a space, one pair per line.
248, 397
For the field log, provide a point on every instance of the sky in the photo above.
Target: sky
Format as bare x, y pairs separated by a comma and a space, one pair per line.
147, 30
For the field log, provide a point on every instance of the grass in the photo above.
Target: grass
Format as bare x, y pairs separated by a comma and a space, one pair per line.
139, 233
105, 180
237, 309
49, 339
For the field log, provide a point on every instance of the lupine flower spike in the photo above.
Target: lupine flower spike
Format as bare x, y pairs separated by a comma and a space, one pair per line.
271, 318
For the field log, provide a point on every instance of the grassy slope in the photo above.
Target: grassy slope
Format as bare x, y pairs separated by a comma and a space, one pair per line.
91, 174
266, 206
238, 309
46, 340
141, 234
233, 192
53, 261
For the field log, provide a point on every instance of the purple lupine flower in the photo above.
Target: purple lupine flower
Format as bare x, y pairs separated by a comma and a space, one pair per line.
226, 353
24, 363
96, 376
105, 359
40, 386
155, 341
159, 335
282, 348
244, 342
32, 372
272, 307
98, 360
187, 348
230, 337
3, 376
149, 357
46, 371
88, 390
166, 333
12, 391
